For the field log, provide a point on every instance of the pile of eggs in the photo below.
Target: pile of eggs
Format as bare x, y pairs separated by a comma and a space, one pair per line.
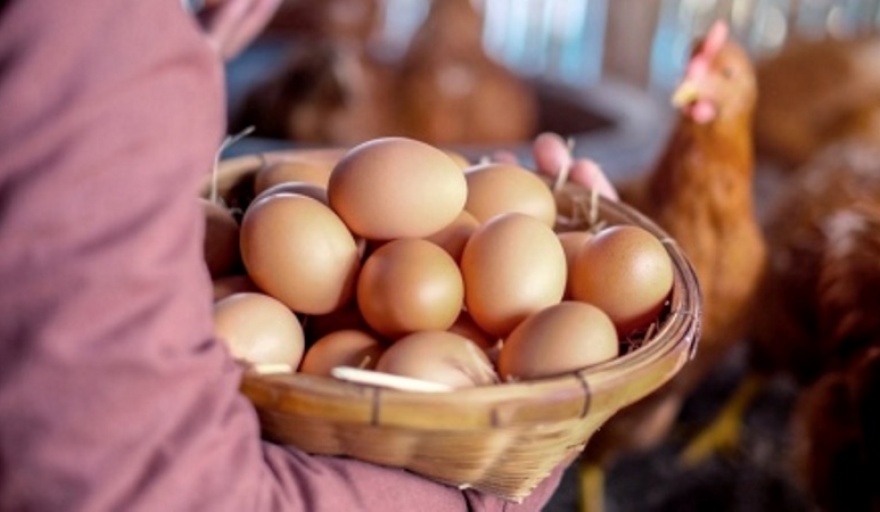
404, 260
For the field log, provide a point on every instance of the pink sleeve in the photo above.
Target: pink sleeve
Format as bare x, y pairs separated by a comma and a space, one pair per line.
113, 393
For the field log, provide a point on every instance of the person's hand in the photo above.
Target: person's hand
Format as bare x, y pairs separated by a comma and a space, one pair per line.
231, 25
552, 154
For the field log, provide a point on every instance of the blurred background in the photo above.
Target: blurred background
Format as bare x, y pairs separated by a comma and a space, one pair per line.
480, 75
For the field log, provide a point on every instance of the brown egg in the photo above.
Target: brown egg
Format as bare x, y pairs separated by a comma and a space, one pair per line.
297, 250
438, 356
572, 241
495, 188
316, 192
562, 338
347, 347
458, 158
625, 271
396, 187
453, 237
229, 285
465, 326
512, 266
259, 329
316, 172
222, 256
409, 285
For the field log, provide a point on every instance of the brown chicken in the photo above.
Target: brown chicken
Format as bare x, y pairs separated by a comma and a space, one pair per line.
836, 431
339, 89
700, 192
818, 320
329, 93
335, 86
452, 92
812, 92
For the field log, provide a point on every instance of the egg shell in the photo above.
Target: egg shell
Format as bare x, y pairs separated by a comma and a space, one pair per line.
409, 285
259, 329
572, 241
314, 170
496, 188
454, 236
625, 271
566, 337
513, 265
220, 241
438, 356
303, 188
458, 158
396, 187
348, 347
298, 251
465, 326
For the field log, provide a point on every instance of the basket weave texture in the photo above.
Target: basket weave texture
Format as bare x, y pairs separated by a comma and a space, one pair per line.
502, 439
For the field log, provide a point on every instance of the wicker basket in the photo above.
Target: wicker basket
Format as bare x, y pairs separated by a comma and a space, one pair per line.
503, 439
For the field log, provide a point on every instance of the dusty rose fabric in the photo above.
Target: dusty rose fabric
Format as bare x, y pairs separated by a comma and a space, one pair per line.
113, 394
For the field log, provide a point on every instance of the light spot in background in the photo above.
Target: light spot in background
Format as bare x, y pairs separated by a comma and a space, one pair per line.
561, 40
690, 12
770, 29
836, 23
841, 231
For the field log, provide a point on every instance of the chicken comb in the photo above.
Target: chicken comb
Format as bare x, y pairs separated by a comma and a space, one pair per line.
715, 39
708, 49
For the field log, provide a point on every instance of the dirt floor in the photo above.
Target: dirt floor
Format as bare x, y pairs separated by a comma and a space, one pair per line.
753, 478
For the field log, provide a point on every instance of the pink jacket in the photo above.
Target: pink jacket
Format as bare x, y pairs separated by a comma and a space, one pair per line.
113, 393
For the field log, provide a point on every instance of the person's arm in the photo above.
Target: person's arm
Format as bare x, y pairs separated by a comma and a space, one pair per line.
113, 393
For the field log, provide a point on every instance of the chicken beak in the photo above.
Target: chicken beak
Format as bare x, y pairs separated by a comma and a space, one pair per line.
686, 93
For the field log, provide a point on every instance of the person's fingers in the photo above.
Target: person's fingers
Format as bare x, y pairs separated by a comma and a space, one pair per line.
505, 157
220, 19
231, 25
249, 27
589, 174
551, 153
